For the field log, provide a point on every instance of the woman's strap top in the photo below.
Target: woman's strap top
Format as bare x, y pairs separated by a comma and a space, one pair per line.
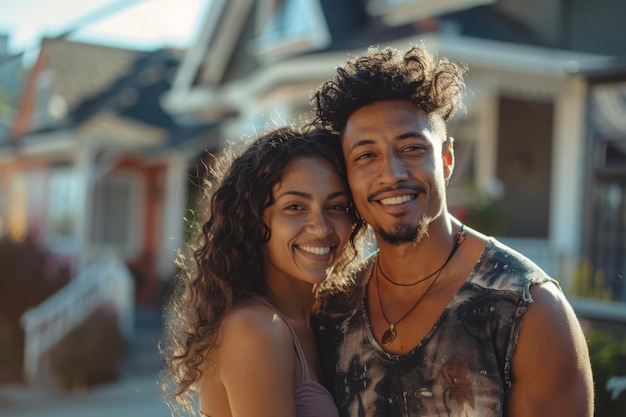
310, 397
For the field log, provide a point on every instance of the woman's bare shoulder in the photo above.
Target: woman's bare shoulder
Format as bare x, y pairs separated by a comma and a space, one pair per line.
251, 321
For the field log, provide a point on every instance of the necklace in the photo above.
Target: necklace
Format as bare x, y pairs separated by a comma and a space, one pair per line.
390, 334
460, 237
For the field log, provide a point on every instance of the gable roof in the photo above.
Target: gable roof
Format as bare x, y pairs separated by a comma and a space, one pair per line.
134, 101
64, 74
110, 94
80, 70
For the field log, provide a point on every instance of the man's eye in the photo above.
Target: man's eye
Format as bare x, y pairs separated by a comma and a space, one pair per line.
365, 155
412, 148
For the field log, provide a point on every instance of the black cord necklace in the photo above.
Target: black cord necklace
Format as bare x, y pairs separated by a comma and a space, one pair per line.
460, 237
390, 334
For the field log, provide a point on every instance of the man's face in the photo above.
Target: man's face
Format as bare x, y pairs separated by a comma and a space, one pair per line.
398, 166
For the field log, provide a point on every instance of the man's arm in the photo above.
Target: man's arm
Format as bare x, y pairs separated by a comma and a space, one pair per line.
551, 371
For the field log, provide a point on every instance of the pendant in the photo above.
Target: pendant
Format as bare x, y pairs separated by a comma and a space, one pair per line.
389, 336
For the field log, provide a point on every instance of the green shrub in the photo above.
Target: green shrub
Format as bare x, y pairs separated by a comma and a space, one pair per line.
92, 353
608, 359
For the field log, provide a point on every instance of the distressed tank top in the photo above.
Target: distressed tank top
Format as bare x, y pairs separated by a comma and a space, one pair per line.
460, 368
310, 397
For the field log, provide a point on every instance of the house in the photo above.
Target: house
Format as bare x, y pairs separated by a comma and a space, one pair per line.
521, 147
11, 80
94, 166
604, 235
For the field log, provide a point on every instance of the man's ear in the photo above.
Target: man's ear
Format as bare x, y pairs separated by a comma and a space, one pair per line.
447, 153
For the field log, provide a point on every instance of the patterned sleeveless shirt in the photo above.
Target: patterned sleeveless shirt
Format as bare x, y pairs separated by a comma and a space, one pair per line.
461, 367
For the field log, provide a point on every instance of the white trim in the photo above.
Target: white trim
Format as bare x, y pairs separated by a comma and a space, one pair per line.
568, 165
599, 309
516, 58
215, 45
479, 54
172, 214
397, 12
83, 163
486, 108
41, 144
195, 56
221, 48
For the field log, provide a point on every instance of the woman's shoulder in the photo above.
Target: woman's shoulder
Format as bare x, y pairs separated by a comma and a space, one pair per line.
251, 321
254, 347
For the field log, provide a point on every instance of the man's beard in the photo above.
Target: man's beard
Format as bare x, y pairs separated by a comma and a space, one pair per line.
405, 233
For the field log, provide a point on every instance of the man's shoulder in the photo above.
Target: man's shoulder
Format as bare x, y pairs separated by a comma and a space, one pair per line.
502, 266
339, 301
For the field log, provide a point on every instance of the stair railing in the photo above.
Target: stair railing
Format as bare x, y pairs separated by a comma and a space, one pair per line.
107, 281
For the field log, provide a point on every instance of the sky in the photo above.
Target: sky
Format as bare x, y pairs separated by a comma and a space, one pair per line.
134, 24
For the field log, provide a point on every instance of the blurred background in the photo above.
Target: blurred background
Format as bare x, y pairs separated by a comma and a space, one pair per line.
108, 110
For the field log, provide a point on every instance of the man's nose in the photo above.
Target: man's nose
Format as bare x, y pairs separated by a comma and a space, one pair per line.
393, 170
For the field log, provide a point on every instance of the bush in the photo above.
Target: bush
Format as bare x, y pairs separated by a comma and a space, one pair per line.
29, 275
608, 358
92, 353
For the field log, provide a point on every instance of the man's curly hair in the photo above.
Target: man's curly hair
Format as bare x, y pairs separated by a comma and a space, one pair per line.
436, 86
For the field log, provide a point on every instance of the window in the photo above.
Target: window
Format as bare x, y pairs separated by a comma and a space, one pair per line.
294, 26
116, 210
608, 237
524, 158
62, 204
17, 208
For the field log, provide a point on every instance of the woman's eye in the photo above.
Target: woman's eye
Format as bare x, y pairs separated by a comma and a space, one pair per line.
339, 207
294, 207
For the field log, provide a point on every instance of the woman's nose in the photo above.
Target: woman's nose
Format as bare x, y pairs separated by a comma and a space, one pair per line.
321, 224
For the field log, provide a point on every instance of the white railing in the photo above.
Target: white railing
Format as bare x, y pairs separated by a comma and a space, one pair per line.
107, 281
616, 385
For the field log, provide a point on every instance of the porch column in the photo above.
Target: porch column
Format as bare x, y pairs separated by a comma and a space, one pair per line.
568, 165
84, 166
173, 213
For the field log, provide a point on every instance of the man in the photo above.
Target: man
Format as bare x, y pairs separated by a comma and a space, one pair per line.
443, 320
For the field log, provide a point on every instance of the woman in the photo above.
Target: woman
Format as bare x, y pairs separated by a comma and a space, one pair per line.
238, 331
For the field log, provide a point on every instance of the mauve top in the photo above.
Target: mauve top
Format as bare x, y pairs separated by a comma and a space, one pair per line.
311, 398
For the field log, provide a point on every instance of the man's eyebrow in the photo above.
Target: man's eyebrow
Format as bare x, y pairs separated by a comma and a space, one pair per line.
407, 135
411, 134
362, 142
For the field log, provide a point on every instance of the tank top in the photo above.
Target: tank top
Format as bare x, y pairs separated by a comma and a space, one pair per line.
460, 368
310, 397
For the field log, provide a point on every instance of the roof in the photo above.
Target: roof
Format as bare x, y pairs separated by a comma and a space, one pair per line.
81, 70
114, 94
484, 22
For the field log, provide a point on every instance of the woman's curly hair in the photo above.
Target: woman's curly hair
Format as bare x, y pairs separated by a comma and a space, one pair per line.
435, 86
224, 263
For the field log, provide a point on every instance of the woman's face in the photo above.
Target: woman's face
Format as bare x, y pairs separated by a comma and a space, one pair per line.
309, 222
